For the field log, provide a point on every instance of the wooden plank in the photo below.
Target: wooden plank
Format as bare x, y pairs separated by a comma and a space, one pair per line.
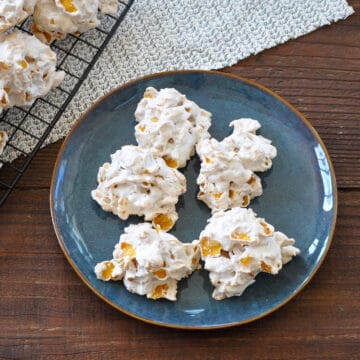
47, 310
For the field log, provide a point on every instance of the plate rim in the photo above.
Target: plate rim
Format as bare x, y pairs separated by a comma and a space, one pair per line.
176, 72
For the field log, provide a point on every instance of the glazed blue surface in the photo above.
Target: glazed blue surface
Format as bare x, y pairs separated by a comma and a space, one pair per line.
298, 198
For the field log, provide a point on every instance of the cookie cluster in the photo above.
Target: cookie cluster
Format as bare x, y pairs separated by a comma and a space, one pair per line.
144, 180
27, 64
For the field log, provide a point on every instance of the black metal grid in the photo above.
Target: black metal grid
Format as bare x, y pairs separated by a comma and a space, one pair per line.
76, 57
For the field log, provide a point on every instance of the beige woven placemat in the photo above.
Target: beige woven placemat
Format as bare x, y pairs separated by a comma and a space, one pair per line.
192, 34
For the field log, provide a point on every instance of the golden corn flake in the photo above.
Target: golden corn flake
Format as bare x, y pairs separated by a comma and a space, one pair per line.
246, 260
107, 271
170, 162
128, 250
240, 236
265, 267
160, 292
160, 274
68, 6
163, 221
210, 247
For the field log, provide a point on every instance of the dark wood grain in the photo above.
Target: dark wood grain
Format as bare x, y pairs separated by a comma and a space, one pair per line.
46, 312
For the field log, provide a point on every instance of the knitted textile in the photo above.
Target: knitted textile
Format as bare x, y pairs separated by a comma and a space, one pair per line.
192, 34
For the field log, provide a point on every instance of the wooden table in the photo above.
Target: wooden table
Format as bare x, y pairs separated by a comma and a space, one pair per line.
46, 312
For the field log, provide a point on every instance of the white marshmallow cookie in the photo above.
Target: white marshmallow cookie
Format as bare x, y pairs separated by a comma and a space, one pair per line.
27, 69
137, 183
150, 262
3, 140
170, 125
227, 177
54, 19
236, 246
14, 12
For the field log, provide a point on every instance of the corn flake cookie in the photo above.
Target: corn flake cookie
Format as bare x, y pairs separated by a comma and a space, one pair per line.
150, 262
14, 12
170, 125
27, 69
109, 6
236, 246
54, 19
227, 177
137, 183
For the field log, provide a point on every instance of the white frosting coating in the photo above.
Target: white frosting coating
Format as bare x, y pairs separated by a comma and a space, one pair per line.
3, 139
226, 177
150, 262
27, 69
236, 246
13, 12
54, 19
170, 124
137, 183
108, 6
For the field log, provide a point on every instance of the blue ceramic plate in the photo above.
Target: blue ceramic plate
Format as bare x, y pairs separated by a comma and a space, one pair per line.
299, 198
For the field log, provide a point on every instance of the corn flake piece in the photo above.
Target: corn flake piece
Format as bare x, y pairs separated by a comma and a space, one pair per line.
246, 260
245, 201
240, 236
210, 247
266, 228
128, 250
159, 292
170, 162
265, 267
107, 272
164, 222
23, 64
68, 6
4, 66
231, 194
160, 274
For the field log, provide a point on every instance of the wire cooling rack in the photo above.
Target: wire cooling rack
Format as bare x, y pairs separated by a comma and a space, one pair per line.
76, 56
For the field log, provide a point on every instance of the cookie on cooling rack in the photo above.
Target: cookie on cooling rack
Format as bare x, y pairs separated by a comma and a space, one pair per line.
27, 69
109, 6
236, 246
170, 125
137, 183
14, 12
54, 19
3, 140
150, 262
